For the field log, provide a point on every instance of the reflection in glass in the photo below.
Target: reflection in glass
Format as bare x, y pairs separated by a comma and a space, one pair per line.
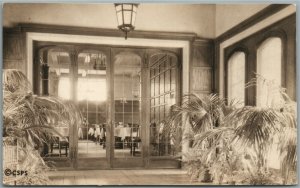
55, 69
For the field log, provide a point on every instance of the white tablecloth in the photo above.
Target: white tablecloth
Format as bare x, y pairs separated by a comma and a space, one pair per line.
122, 132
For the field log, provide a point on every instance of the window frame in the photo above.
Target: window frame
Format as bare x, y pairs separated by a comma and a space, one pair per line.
250, 46
229, 55
283, 37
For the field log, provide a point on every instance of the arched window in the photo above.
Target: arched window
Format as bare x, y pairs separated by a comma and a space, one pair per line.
269, 57
236, 78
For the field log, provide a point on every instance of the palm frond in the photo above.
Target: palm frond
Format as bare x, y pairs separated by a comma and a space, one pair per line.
255, 126
14, 80
30, 116
217, 134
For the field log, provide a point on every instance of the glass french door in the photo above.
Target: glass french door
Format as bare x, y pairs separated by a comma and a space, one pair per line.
124, 96
76, 73
53, 66
128, 124
91, 96
164, 92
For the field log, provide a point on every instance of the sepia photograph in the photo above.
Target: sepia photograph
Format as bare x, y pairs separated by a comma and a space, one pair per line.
147, 94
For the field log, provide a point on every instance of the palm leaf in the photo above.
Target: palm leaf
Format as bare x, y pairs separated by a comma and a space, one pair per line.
14, 80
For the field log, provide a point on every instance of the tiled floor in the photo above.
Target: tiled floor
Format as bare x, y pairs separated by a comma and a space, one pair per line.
122, 177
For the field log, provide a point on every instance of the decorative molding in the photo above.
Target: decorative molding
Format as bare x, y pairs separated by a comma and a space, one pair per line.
59, 29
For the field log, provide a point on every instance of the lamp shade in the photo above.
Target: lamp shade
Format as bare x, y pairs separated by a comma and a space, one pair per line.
126, 14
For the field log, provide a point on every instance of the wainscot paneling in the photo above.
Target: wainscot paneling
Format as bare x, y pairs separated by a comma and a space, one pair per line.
202, 67
14, 51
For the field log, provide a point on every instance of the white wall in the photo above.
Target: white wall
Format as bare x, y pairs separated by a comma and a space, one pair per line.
229, 15
206, 20
199, 19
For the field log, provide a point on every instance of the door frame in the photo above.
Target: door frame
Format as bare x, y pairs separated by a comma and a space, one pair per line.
111, 41
94, 162
163, 161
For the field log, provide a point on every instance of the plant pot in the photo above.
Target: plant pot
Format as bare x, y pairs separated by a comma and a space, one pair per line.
207, 178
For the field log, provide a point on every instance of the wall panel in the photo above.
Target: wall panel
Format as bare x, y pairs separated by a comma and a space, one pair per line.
14, 51
202, 67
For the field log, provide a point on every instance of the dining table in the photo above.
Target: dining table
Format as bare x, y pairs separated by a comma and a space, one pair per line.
123, 132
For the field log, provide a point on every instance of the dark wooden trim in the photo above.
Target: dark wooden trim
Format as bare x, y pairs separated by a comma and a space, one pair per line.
202, 42
74, 30
216, 68
145, 116
264, 13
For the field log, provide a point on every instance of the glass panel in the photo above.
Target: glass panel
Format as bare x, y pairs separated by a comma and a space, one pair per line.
168, 62
162, 66
91, 96
236, 78
167, 81
101, 105
269, 57
135, 106
155, 71
172, 100
156, 114
152, 87
167, 99
127, 17
162, 83
120, 18
119, 105
162, 112
133, 18
173, 61
55, 81
127, 80
173, 79
161, 101
127, 6
118, 7
156, 101
156, 85
167, 110
151, 72
152, 102
152, 115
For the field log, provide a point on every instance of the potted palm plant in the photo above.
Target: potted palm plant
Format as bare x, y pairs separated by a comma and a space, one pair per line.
253, 132
236, 142
198, 114
27, 127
